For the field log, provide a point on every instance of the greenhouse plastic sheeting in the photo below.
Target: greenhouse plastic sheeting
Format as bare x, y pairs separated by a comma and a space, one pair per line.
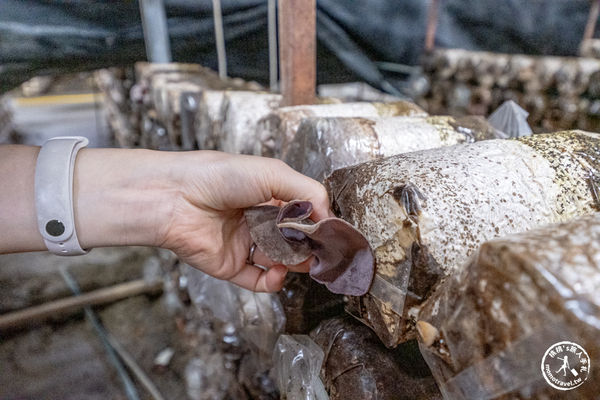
42, 37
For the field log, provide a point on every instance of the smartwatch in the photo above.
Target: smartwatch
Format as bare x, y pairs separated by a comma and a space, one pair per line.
54, 194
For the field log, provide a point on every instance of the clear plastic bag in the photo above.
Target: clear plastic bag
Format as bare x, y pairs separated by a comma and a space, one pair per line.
323, 145
487, 329
277, 130
426, 212
206, 377
358, 366
257, 317
297, 361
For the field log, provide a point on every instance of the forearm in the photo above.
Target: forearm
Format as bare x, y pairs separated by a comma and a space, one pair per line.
18, 224
121, 197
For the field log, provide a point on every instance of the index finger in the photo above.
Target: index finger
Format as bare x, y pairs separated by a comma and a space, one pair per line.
287, 184
246, 181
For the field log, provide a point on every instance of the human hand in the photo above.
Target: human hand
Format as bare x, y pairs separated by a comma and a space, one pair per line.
191, 203
207, 228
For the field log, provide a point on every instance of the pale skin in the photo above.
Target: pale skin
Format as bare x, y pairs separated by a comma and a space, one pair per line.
191, 203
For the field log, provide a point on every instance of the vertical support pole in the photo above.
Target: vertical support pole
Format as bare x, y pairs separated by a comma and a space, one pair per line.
272, 24
432, 18
298, 51
156, 34
590, 27
220, 38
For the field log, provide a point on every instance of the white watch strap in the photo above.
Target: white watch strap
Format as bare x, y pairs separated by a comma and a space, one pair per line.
54, 194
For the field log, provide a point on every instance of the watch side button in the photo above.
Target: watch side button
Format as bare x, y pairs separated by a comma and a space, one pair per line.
55, 227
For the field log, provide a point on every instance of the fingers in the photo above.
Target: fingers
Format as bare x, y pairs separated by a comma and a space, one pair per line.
245, 181
286, 184
258, 280
303, 267
261, 259
240, 181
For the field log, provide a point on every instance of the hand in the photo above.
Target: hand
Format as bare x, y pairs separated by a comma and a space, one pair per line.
207, 228
191, 203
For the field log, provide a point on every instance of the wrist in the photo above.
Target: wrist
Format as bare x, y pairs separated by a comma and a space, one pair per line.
123, 197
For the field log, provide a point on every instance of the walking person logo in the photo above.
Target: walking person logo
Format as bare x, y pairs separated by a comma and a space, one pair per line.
565, 365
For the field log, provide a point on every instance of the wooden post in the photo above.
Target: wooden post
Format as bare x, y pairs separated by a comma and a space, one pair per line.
590, 27
432, 18
297, 51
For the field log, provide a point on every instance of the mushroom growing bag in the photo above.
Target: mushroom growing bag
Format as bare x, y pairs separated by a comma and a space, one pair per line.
425, 213
490, 329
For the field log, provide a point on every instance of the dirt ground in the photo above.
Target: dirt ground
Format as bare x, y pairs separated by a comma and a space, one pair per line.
64, 358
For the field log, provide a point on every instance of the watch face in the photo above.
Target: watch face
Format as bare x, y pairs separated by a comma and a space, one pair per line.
55, 227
